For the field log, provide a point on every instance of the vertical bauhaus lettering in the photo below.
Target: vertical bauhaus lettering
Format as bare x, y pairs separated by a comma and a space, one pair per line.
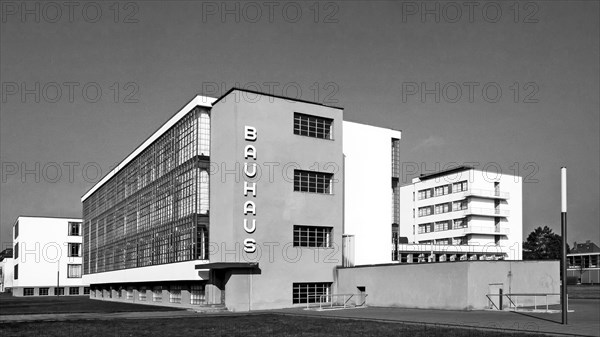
250, 135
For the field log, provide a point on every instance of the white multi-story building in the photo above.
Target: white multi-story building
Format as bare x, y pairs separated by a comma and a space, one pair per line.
47, 257
367, 206
460, 214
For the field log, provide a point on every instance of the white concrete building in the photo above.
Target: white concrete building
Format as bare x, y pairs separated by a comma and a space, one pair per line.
47, 257
461, 214
371, 169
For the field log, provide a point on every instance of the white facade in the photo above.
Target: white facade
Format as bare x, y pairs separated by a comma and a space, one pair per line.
462, 213
47, 255
368, 205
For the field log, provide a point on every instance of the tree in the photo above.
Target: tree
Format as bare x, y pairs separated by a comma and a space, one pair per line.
543, 244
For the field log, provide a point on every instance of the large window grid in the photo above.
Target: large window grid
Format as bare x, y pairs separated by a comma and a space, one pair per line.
395, 201
197, 294
157, 294
313, 126
175, 294
395, 158
313, 182
155, 209
309, 292
312, 236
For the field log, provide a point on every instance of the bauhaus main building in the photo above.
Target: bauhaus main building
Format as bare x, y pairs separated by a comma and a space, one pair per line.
245, 201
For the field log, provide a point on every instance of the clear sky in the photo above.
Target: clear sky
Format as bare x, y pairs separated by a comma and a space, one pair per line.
518, 86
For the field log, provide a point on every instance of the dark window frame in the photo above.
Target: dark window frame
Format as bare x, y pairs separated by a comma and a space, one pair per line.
77, 225
313, 182
308, 292
313, 236
69, 270
313, 126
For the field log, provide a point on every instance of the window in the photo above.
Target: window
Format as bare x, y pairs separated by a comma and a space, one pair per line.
16, 229
314, 182
59, 291
442, 241
74, 249
44, 291
86, 290
313, 126
27, 291
425, 194
309, 292
312, 236
442, 208
441, 226
157, 294
16, 272
75, 228
442, 190
459, 187
425, 228
142, 294
197, 295
460, 241
460, 223
73, 290
130, 293
424, 211
16, 250
459, 205
175, 294
74, 271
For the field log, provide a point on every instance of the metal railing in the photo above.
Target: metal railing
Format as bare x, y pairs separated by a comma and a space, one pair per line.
527, 305
337, 301
486, 193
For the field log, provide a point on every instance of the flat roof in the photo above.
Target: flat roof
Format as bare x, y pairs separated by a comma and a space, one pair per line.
45, 217
272, 95
198, 100
444, 172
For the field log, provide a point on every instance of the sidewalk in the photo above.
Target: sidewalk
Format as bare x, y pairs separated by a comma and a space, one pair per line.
584, 321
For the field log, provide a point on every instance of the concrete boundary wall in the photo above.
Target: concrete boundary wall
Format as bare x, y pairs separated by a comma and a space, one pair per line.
460, 285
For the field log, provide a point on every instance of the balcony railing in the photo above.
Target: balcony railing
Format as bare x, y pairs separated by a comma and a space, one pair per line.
487, 193
463, 212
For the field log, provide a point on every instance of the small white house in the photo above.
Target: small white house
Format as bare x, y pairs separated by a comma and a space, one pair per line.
47, 255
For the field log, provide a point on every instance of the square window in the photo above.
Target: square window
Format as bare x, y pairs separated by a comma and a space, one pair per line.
74, 271
75, 228
74, 249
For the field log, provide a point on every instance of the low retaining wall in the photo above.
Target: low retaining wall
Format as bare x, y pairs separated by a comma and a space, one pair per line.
460, 285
